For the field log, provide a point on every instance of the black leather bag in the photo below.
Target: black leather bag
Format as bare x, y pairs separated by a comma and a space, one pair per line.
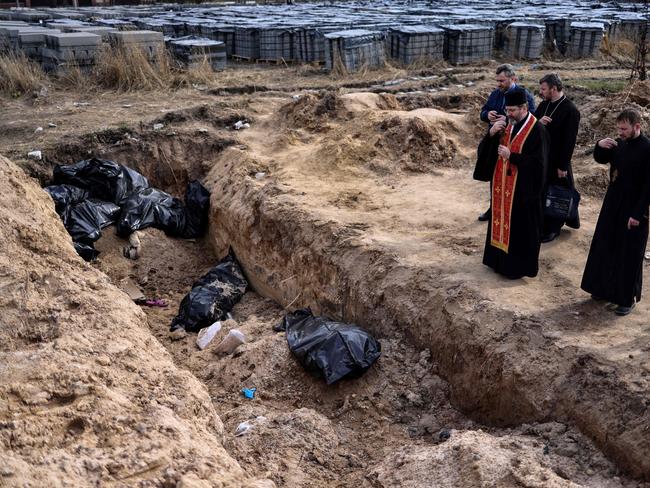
561, 202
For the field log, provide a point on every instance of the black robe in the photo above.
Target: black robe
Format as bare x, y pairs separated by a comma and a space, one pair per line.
614, 267
562, 132
526, 220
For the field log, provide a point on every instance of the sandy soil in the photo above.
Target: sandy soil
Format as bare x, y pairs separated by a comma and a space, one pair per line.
374, 431
366, 211
88, 396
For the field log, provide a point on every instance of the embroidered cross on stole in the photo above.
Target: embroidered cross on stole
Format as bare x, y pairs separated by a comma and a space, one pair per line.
504, 183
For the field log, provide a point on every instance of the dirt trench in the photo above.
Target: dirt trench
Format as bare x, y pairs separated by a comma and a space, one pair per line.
380, 429
504, 367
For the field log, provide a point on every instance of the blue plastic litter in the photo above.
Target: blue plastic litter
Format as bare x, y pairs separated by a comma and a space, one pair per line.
249, 392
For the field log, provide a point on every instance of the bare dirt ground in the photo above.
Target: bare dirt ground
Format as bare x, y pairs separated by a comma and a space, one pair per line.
366, 211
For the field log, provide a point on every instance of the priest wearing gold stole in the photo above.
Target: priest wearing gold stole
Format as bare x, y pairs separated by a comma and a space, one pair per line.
514, 153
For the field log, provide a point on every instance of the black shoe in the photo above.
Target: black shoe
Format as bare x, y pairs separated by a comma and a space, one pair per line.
550, 236
485, 216
621, 310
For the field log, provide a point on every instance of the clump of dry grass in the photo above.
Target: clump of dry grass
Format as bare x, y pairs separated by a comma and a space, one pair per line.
200, 74
623, 47
339, 70
130, 69
19, 75
125, 68
365, 71
74, 78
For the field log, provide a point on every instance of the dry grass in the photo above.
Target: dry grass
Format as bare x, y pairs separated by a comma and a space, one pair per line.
129, 69
621, 51
620, 47
365, 72
202, 74
19, 75
74, 78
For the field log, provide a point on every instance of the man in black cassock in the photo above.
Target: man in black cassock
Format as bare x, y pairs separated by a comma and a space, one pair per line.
514, 154
614, 267
495, 106
561, 119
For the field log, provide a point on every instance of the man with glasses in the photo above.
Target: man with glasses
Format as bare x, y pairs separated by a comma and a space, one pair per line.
515, 152
495, 107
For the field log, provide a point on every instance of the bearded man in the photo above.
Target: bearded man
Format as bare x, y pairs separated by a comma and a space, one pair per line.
561, 119
494, 108
614, 269
515, 153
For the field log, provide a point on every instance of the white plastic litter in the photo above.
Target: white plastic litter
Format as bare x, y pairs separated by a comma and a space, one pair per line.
38, 129
240, 124
260, 175
35, 155
232, 341
245, 427
158, 126
207, 334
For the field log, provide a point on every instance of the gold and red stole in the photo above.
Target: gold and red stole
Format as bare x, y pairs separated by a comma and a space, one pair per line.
503, 184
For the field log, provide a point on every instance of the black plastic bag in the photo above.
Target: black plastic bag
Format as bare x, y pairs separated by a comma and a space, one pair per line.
86, 220
197, 206
155, 208
103, 179
151, 208
64, 197
212, 296
86, 251
329, 349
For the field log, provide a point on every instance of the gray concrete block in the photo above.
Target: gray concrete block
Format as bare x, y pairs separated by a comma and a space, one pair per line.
135, 37
81, 56
102, 31
30, 15
35, 36
65, 39
13, 32
13, 23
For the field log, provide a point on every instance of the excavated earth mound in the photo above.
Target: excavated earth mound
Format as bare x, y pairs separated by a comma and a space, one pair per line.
87, 395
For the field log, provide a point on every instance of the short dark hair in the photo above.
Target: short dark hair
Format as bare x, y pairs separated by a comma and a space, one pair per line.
630, 115
506, 69
552, 80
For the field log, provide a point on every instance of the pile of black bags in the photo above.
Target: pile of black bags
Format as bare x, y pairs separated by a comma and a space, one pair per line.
95, 193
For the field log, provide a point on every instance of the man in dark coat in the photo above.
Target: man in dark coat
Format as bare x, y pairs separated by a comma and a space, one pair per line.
515, 154
615, 264
494, 108
561, 119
